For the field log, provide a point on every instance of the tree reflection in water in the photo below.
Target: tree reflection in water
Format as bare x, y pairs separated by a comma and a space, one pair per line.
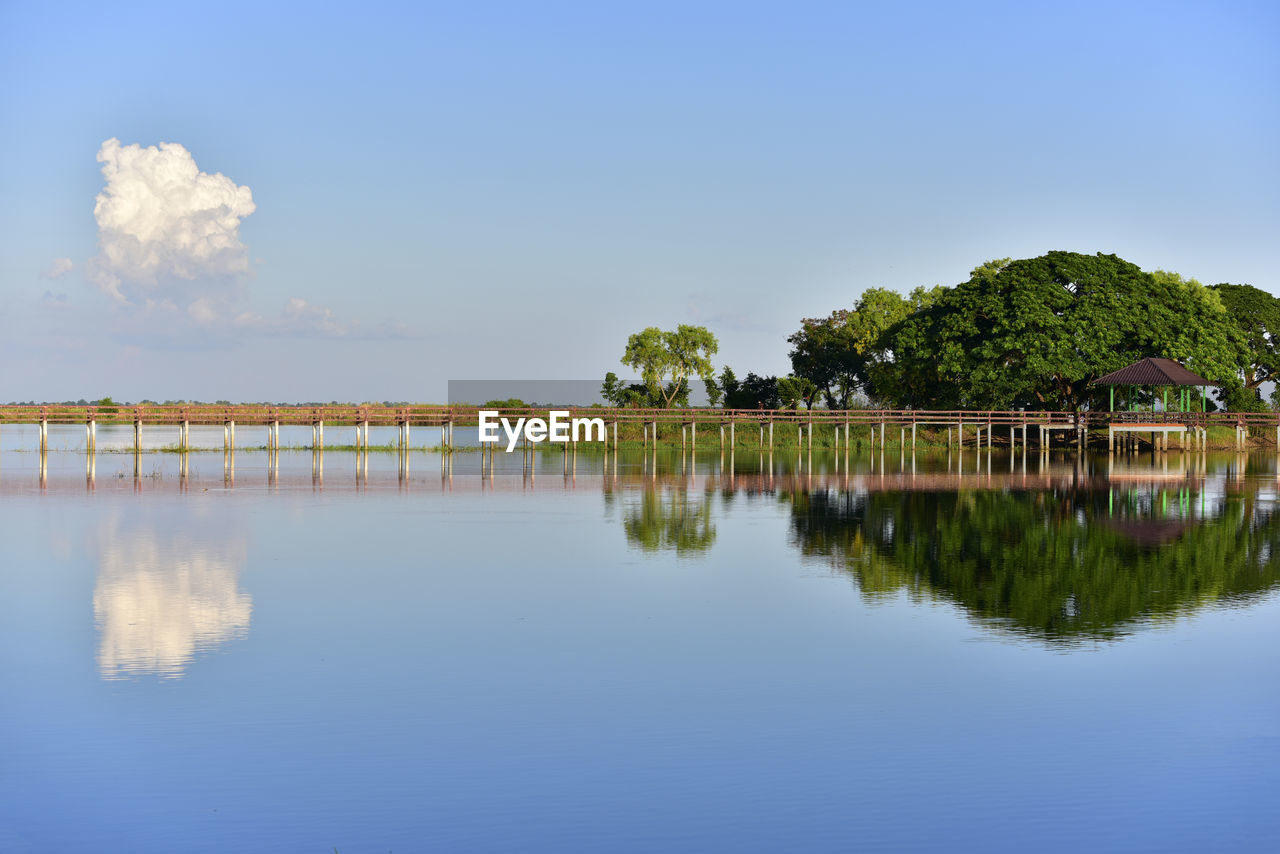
1059, 566
672, 518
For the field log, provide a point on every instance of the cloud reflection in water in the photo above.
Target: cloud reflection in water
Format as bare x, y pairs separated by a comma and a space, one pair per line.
158, 602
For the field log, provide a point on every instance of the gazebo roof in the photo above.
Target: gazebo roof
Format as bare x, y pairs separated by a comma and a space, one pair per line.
1153, 372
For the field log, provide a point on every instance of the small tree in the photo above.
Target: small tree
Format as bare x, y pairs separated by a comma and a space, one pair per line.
796, 390
667, 360
729, 386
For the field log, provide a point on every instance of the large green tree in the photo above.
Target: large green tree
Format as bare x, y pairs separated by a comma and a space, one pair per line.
1036, 333
1256, 315
838, 353
668, 360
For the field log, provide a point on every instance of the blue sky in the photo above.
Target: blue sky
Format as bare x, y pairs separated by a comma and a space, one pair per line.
508, 190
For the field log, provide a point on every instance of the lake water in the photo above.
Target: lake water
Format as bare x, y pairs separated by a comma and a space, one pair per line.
955, 652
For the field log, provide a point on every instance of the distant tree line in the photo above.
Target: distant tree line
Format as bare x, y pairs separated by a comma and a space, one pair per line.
1028, 334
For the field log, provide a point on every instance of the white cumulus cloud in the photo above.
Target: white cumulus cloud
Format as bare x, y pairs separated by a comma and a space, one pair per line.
161, 218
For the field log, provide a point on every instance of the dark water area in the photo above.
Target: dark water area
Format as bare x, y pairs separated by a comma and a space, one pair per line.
965, 651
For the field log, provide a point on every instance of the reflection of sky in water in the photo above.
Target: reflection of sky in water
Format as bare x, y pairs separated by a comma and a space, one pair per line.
159, 601
658, 661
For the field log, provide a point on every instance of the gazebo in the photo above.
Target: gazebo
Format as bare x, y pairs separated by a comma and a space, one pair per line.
1157, 372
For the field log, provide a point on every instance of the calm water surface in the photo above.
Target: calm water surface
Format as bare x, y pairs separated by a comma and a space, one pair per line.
964, 652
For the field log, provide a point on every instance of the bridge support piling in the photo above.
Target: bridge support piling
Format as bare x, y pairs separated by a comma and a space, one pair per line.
913, 436
732, 444
810, 435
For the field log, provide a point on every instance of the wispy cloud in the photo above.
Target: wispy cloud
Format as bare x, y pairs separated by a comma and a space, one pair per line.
299, 318
57, 268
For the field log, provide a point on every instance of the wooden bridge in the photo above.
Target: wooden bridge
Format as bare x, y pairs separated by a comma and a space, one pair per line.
880, 424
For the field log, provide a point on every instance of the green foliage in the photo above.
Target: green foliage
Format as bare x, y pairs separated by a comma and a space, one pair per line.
640, 395
714, 393
668, 360
793, 391
825, 353
107, 406
754, 392
509, 403
1035, 333
1256, 314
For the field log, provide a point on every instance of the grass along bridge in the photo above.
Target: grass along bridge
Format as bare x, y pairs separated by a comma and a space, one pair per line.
879, 426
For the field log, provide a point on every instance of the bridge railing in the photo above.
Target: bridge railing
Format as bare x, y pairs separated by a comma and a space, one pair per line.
438, 414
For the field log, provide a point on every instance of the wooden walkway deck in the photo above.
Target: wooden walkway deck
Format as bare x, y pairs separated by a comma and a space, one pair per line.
880, 424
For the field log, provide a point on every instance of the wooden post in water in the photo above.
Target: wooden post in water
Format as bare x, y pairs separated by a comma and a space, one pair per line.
732, 442
810, 435
771, 435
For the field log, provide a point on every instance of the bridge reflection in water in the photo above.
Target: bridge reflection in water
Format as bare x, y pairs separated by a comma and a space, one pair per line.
1059, 549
